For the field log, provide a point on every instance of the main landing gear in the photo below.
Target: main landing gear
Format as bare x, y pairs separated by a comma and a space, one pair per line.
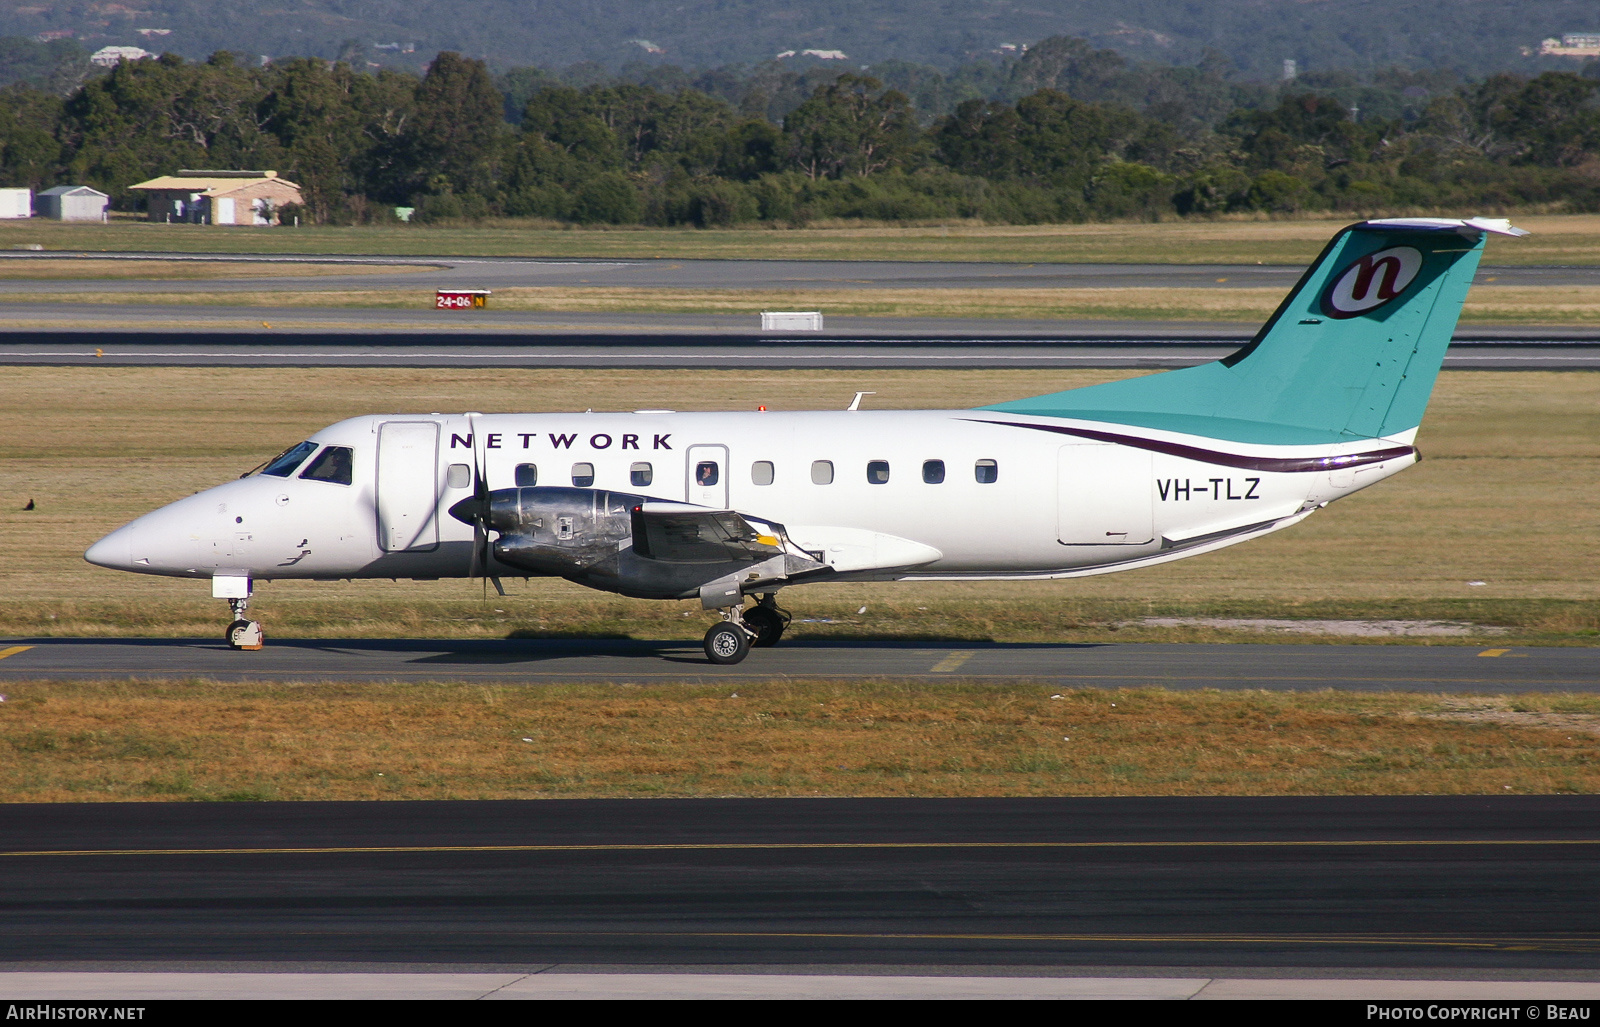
761, 625
242, 633
767, 621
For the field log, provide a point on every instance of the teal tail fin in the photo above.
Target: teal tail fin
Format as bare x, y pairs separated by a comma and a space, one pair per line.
1352, 353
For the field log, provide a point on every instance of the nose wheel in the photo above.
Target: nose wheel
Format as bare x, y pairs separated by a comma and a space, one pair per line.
242, 633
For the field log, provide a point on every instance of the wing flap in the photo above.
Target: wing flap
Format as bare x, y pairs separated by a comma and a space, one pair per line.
682, 533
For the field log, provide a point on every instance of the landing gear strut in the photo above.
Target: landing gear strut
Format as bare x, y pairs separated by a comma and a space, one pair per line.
242, 633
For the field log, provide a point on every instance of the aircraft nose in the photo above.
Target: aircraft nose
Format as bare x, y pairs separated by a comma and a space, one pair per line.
114, 551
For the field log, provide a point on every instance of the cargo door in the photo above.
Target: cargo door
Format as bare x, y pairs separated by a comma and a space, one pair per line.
1104, 496
708, 476
408, 486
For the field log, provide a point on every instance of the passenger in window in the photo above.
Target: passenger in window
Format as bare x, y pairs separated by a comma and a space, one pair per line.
705, 473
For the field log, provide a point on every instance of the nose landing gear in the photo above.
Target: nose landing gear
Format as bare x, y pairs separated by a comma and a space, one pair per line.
235, 588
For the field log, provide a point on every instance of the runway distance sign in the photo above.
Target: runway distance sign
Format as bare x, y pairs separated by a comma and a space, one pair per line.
460, 299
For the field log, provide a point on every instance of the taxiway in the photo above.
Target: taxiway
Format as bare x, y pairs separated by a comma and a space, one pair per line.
1414, 668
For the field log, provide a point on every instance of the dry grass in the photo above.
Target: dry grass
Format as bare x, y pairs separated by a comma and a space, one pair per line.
1557, 239
203, 740
65, 269
1487, 304
1569, 718
1251, 305
1505, 496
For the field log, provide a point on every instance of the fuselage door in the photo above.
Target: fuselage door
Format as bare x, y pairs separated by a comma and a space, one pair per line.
1104, 496
708, 476
408, 485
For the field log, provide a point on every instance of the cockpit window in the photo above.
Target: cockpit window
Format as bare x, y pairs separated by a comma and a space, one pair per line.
284, 463
332, 464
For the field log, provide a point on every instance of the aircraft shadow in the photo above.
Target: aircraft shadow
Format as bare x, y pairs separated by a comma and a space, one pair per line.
446, 652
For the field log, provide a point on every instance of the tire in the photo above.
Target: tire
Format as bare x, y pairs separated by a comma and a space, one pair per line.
726, 643
238, 635
768, 625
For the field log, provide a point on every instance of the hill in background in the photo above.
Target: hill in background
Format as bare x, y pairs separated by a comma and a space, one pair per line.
1473, 37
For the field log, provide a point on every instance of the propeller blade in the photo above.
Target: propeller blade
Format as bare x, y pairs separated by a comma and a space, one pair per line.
477, 529
481, 537
480, 492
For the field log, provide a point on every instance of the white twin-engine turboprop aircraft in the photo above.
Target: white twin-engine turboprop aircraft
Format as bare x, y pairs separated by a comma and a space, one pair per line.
1325, 400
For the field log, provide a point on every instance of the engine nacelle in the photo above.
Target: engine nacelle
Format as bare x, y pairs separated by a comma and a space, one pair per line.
555, 531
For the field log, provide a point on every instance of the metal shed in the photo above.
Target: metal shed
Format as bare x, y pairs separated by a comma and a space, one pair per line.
16, 203
72, 203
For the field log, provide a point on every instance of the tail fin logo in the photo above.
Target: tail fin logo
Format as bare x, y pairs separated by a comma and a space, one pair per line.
1372, 281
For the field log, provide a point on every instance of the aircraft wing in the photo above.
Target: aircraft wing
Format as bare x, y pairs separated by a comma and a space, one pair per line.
683, 533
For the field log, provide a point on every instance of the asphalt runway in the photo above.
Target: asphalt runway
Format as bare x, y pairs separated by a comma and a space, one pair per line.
1288, 667
718, 349
428, 273
1470, 886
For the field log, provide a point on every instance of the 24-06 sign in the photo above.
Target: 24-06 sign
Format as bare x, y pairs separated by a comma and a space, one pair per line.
460, 299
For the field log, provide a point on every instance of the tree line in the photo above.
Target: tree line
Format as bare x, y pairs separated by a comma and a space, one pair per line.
1073, 134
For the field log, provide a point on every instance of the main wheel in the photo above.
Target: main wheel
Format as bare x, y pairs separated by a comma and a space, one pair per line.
727, 643
767, 623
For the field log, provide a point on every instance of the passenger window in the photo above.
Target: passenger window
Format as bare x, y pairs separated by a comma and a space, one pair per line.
822, 472
986, 471
640, 474
332, 465
284, 463
761, 472
933, 471
583, 475
706, 473
527, 475
458, 476
877, 472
